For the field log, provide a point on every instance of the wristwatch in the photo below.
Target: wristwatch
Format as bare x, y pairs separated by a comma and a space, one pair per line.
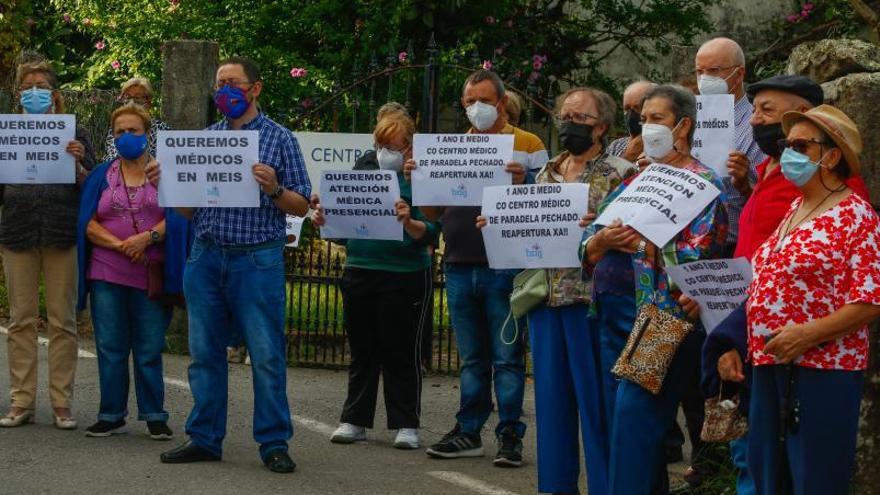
643, 246
154, 236
279, 190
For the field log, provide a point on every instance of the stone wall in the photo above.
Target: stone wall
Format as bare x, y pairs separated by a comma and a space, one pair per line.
849, 71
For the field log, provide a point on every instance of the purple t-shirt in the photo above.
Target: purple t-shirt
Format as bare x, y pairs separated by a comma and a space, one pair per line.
116, 207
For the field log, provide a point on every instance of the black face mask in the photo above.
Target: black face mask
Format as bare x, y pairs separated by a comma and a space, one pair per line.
576, 138
767, 136
633, 123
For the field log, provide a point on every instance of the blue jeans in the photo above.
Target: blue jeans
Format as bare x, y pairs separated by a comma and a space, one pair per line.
641, 420
568, 398
237, 287
821, 451
615, 316
479, 306
739, 451
127, 322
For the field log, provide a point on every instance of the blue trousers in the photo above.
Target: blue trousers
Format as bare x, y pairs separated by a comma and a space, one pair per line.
237, 288
615, 317
568, 391
127, 323
641, 420
739, 454
479, 306
821, 451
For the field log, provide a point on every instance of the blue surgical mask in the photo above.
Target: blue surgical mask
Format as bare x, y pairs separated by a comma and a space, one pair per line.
797, 167
131, 146
36, 100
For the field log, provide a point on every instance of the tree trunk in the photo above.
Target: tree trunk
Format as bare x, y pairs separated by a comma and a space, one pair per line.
867, 476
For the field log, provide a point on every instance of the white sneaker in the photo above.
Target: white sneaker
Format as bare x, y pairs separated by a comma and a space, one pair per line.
407, 439
349, 433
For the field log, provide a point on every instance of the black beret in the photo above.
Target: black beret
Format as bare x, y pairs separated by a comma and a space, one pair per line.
798, 85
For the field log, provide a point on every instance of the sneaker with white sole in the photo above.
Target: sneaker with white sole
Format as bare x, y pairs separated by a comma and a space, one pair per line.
456, 444
106, 428
349, 433
407, 439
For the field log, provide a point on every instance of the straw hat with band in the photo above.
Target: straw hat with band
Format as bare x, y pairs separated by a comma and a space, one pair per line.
837, 126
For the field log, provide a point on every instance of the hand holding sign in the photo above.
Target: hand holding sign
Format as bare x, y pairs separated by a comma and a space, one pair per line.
358, 205
738, 167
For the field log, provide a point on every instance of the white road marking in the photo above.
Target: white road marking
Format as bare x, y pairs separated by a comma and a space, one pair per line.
464, 481
174, 382
45, 343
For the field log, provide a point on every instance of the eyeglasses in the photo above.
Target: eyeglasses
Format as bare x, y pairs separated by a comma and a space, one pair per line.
712, 71
799, 145
230, 82
576, 117
140, 100
32, 86
402, 151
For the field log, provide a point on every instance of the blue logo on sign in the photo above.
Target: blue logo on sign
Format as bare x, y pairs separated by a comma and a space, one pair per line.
534, 252
460, 190
31, 172
362, 231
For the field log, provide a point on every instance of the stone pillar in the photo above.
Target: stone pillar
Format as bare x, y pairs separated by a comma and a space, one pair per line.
188, 69
849, 71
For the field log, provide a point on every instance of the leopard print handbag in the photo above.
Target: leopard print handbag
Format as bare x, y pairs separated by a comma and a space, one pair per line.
650, 348
724, 421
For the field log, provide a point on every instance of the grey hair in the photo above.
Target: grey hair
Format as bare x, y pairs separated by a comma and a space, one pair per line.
605, 107
481, 75
682, 101
138, 81
391, 107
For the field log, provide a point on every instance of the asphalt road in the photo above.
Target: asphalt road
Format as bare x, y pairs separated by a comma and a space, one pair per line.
41, 459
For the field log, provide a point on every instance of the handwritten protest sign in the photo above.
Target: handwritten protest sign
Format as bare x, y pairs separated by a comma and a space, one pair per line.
208, 168
32, 149
360, 205
294, 230
718, 286
453, 169
331, 151
660, 202
715, 135
534, 225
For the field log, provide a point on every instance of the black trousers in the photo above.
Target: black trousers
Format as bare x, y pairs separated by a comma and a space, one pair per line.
385, 318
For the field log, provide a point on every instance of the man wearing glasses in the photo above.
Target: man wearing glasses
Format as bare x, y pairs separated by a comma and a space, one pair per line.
234, 278
139, 91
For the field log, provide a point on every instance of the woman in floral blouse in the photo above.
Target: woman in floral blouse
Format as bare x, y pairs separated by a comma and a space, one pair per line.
816, 288
640, 419
564, 342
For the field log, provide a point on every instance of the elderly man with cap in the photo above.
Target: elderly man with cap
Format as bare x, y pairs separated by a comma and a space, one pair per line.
725, 349
630, 146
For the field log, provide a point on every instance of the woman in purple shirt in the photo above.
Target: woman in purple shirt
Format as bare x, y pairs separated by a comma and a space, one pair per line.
125, 236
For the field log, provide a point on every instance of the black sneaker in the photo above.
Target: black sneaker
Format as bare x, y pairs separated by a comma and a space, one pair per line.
279, 461
105, 428
456, 444
159, 430
509, 449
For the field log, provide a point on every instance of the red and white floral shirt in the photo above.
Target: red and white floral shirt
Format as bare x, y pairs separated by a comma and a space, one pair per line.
822, 265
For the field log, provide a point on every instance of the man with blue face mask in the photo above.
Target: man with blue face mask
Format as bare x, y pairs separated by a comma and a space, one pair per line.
235, 277
720, 69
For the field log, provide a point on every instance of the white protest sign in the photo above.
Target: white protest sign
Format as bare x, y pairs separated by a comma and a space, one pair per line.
718, 286
208, 168
453, 169
331, 151
294, 230
32, 149
359, 204
534, 225
660, 202
715, 135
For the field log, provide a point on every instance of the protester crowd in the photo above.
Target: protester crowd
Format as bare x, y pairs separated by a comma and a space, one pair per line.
617, 346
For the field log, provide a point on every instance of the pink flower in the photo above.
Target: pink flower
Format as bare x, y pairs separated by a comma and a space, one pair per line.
490, 20
66, 18
487, 64
298, 72
537, 64
792, 18
510, 23
307, 103
174, 3
517, 74
87, 22
401, 57
100, 45
116, 64
808, 7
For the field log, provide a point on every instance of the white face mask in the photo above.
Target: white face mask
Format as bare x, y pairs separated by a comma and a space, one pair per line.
482, 115
658, 140
714, 85
389, 159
